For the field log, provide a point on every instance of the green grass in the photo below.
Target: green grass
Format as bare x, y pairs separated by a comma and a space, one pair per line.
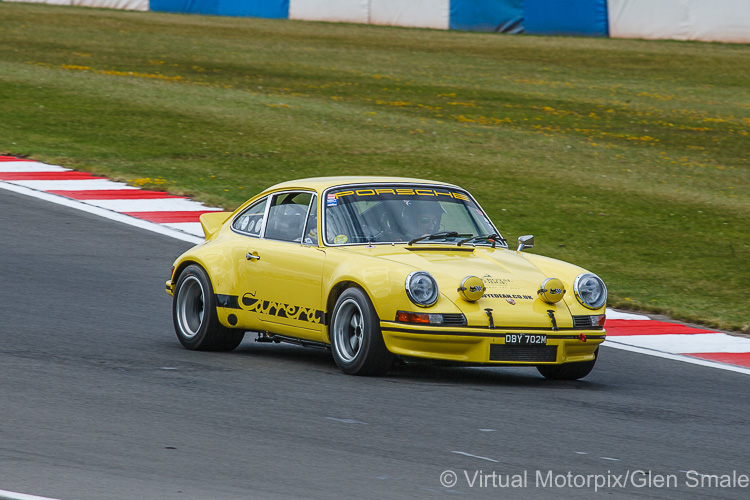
627, 157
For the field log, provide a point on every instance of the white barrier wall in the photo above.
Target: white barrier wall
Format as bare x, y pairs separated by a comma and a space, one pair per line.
51, 2
704, 20
113, 4
343, 11
414, 13
106, 4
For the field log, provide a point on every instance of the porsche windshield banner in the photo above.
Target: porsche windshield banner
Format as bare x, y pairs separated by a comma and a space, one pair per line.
394, 193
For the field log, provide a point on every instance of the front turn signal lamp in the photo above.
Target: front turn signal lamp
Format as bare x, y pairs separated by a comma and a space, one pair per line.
419, 318
434, 319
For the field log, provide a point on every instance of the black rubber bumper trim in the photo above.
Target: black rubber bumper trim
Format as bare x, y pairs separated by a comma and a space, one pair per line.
493, 334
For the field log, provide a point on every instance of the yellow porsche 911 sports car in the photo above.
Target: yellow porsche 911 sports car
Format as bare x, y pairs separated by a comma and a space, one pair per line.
380, 268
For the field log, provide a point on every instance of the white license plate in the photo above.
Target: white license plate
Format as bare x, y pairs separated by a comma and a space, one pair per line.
525, 339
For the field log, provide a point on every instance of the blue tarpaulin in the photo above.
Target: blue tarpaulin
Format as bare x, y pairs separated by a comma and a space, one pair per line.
566, 17
504, 16
187, 6
247, 8
274, 9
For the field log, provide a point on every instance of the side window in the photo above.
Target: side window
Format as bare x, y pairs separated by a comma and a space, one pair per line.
286, 216
311, 228
250, 221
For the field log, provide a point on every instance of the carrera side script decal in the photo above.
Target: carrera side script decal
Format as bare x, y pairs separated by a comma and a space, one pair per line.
271, 308
282, 310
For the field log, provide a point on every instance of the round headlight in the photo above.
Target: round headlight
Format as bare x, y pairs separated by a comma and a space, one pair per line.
590, 290
422, 288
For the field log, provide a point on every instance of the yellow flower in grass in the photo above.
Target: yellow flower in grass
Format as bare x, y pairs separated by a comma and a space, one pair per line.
76, 67
144, 181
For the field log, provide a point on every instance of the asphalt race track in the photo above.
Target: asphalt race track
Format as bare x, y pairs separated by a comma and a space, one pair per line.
98, 400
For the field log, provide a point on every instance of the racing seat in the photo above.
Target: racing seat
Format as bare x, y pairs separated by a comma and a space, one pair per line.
284, 224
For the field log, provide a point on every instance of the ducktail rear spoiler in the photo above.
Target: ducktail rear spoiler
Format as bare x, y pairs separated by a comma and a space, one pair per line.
212, 222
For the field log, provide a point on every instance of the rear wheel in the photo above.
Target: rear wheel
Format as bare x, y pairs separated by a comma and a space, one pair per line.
568, 371
356, 340
194, 314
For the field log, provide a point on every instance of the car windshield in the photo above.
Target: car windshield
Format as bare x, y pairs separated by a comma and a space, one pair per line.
401, 213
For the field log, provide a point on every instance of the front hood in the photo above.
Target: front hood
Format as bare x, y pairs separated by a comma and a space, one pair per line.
498, 268
511, 280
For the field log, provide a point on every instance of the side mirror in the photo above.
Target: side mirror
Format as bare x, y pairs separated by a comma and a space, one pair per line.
526, 241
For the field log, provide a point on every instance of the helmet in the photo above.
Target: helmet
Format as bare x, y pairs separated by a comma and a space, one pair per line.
422, 216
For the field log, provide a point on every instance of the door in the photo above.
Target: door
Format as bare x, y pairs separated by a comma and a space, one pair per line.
285, 268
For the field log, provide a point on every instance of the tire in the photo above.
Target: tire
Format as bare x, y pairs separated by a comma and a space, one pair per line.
356, 341
568, 371
194, 314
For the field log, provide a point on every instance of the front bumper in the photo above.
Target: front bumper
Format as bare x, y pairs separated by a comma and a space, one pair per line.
170, 287
483, 345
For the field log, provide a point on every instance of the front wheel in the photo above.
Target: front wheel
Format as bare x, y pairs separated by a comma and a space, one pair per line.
194, 314
356, 341
568, 371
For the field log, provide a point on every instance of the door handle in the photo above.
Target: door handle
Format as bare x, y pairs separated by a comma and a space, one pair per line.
252, 256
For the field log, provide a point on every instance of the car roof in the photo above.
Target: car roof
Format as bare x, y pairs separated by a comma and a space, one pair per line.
322, 183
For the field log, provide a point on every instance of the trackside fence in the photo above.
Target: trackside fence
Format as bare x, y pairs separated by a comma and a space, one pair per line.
703, 20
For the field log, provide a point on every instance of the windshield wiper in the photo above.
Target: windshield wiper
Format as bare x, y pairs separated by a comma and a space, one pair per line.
438, 235
494, 238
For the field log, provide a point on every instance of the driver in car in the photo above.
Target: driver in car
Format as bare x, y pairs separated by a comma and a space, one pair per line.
421, 218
